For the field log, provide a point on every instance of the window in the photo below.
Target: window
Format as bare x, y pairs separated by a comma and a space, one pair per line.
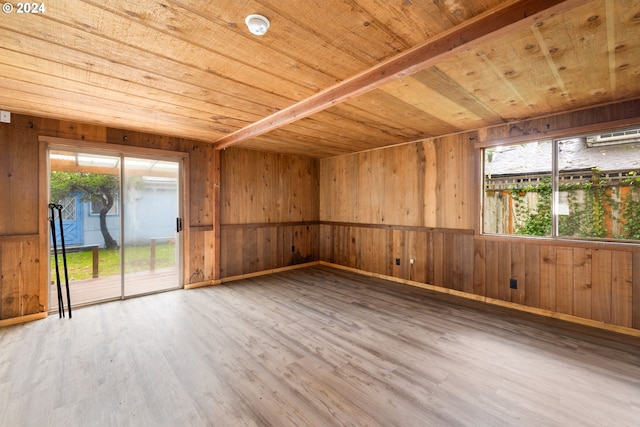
583, 187
68, 208
96, 205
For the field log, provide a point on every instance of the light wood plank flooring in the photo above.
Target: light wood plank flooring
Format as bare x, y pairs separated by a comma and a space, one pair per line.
314, 347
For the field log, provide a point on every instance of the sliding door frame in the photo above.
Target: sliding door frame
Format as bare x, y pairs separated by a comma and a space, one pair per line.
47, 143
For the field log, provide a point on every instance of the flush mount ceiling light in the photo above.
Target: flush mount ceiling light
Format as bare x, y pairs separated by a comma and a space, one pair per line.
257, 24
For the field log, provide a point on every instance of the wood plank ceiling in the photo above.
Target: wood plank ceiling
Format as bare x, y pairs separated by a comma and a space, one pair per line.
191, 69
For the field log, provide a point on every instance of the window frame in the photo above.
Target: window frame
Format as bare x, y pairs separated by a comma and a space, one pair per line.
555, 138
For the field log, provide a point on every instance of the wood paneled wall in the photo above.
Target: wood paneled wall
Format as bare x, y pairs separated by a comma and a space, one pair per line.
418, 184
421, 201
441, 257
22, 271
269, 211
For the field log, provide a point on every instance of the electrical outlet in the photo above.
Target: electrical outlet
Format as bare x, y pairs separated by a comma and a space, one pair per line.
5, 117
397, 261
513, 283
293, 248
411, 261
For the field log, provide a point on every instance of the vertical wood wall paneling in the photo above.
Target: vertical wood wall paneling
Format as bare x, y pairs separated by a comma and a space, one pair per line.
354, 247
195, 269
367, 181
532, 275
492, 269
213, 238
434, 184
202, 233
582, 282
636, 291
548, 278
269, 211
518, 272
18, 177
455, 190
438, 252
20, 165
479, 267
430, 184
417, 250
504, 270
601, 275
621, 288
325, 248
564, 280
19, 271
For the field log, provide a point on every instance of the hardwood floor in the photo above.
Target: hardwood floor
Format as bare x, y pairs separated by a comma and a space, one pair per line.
314, 347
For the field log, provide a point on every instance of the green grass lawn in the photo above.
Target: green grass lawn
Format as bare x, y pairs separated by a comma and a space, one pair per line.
138, 258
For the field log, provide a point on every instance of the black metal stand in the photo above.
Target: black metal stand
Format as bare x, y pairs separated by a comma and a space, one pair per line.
52, 220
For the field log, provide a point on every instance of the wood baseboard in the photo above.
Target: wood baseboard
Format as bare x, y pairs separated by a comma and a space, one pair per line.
493, 301
22, 319
270, 271
202, 284
248, 275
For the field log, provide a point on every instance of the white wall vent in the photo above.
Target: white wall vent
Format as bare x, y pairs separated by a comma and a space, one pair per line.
611, 138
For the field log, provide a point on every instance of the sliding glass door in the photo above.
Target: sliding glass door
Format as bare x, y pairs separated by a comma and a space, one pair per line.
151, 237
121, 221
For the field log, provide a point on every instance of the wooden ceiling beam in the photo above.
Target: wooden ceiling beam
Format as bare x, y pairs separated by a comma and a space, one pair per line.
509, 17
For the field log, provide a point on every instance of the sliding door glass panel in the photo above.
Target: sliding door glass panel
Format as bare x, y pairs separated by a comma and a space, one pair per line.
151, 241
86, 189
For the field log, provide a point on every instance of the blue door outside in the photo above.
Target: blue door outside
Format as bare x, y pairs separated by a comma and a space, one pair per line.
72, 221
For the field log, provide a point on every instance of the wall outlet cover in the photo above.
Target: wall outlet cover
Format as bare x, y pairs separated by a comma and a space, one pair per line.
5, 117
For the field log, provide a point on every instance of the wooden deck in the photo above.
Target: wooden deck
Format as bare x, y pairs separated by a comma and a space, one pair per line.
108, 288
314, 347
